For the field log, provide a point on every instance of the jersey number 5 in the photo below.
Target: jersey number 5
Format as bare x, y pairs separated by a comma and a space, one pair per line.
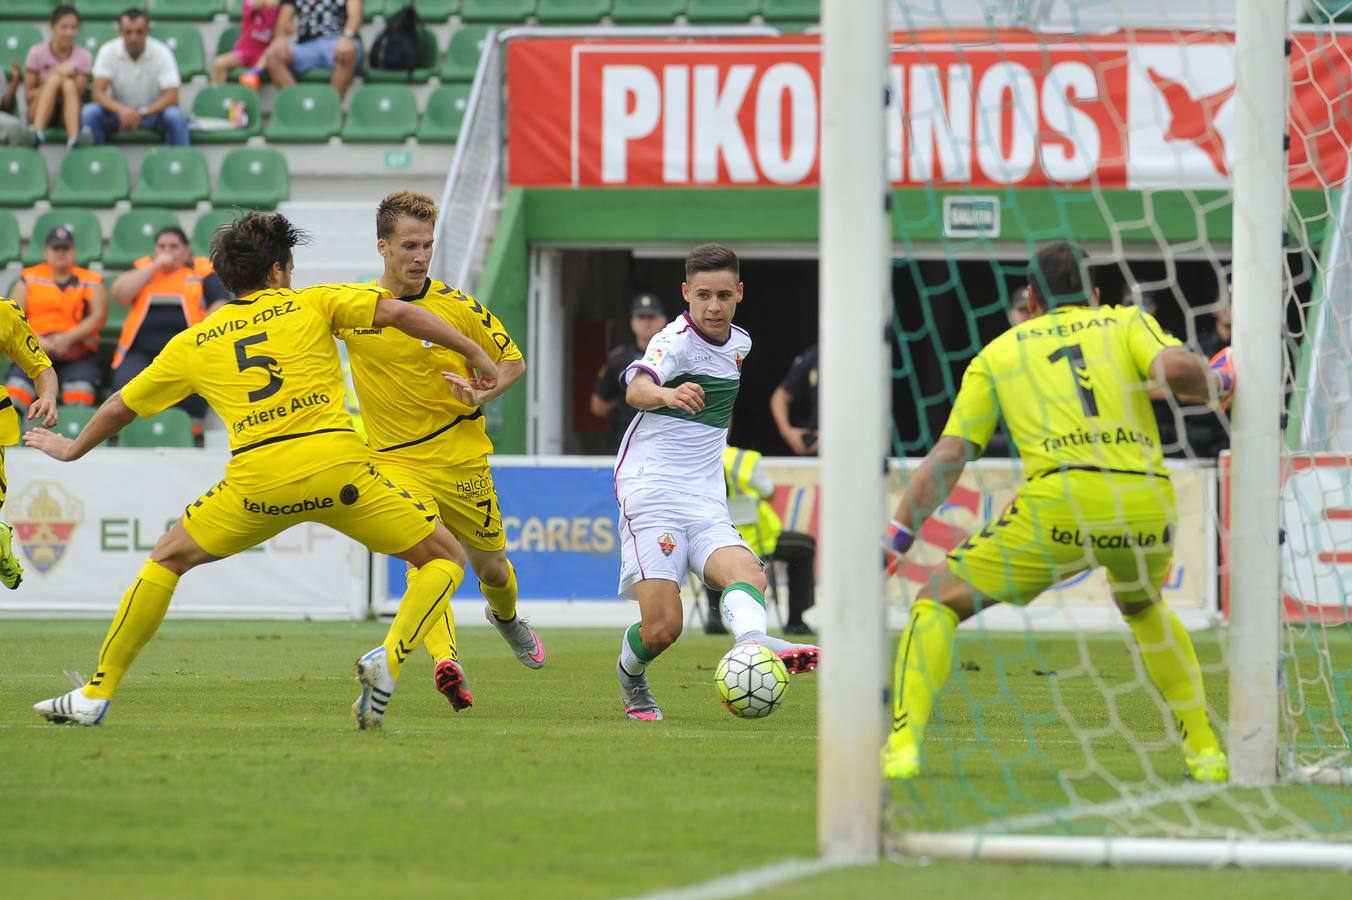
266, 363
1075, 356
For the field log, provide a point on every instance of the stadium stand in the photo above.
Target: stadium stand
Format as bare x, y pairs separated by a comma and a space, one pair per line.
252, 177
92, 176
572, 12
104, 9
175, 177
213, 102
381, 114
186, 43
305, 114
171, 428
187, 10
94, 35
29, 9
445, 111
792, 12
84, 224
463, 52
24, 180
15, 39
646, 12
134, 236
720, 12
9, 238
497, 11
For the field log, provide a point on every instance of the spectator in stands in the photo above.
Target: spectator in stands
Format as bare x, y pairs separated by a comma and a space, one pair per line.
794, 404
135, 85
56, 74
13, 133
326, 38
646, 318
257, 24
166, 293
763, 530
66, 306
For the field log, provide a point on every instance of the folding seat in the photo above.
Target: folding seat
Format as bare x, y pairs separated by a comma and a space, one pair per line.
92, 176
134, 236
23, 176
463, 52
381, 114
252, 178
305, 114
445, 111
175, 177
500, 11
646, 12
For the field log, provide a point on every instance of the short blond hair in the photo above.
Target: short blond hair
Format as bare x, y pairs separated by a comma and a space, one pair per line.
403, 203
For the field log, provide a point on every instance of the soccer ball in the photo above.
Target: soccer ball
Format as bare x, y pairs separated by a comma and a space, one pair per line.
751, 680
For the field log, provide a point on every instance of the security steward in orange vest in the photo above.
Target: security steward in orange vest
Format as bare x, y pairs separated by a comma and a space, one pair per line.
66, 305
166, 293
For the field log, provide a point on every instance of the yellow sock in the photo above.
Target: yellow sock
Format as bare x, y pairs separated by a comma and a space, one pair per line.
1166, 650
502, 599
440, 640
924, 661
138, 618
426, 603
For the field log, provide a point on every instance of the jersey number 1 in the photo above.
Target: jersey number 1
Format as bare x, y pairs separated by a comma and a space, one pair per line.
1075, 356
266, 363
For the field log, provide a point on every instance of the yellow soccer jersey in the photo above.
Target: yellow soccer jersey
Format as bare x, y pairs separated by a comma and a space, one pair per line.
20, 344
268, 366
409, 412
1072, 387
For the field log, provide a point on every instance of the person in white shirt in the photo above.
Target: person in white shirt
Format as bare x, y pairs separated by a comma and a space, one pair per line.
669, 482
135, 85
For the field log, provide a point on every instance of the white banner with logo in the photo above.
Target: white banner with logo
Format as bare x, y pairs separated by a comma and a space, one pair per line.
83, 529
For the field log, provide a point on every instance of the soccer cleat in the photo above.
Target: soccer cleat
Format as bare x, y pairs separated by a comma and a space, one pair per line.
901, 762
377, 685
518, 634
1209, 767
451, 681
637, 698
72, 708
11, 570
800, 658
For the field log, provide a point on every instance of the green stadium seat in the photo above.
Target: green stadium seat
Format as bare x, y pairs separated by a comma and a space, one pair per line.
71, 420
186, 10
572, 12
369, 9
227, 39
23, 176
134, 236
252, 178
206, 225
15, 39
646, 12
463, 52
82, 223
136, 136
381, 114
94, 35
430, 11
171, 428
703, 12
427, 63
186, 42
117, 314
212, 103
497, 10
9, 238
175, 177
792, 12
103, 9
29, 9
445, 111
92, 176
305, 114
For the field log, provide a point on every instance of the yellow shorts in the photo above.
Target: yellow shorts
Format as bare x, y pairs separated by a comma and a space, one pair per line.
462, 496
1064, 524
352, 498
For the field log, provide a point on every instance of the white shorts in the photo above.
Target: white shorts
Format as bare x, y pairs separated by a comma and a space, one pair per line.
664, 535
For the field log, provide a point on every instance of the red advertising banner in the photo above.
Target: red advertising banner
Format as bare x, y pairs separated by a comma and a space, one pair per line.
1149, 109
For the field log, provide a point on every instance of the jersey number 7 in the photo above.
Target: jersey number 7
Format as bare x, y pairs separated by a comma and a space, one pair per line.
1075, 356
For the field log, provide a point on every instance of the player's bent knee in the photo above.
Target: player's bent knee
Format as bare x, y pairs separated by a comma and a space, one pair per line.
495, 571
440, 544
178, 552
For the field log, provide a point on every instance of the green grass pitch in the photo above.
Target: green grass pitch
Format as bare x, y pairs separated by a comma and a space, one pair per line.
229, 767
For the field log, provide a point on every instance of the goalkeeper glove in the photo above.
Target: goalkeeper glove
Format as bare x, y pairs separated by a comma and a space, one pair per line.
896, 541
1223, 366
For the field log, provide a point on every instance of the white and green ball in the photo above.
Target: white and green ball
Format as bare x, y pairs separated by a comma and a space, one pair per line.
751, 680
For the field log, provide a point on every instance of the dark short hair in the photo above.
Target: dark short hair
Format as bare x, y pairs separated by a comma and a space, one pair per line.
65, 9
245, 250
132, 13
712, 258
1061, 275
174, 230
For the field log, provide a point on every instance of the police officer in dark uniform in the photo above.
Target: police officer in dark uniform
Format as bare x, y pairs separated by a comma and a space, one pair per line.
646, 318
793, 405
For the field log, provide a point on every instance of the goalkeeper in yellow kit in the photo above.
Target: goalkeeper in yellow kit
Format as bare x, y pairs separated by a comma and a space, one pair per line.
425, 426
1072, 383
268, 365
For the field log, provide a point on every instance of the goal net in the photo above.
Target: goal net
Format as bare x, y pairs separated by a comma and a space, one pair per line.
1116, 125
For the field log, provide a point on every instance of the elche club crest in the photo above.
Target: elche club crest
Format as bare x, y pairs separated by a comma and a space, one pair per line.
667, 544
45, 519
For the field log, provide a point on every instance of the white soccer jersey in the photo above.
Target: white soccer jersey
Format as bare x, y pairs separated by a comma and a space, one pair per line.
669, 449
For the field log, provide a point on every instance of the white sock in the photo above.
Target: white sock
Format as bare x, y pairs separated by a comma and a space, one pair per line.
743, 611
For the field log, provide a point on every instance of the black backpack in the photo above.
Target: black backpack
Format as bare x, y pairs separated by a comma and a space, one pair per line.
398, 46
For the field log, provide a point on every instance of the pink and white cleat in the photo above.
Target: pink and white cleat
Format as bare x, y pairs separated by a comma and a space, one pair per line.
521, 637
637, 698
800, 658
451, 681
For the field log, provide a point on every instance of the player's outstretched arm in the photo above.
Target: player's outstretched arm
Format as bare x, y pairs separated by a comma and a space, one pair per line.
928, 488
419, 323
1192, 378
112, 417
645, 393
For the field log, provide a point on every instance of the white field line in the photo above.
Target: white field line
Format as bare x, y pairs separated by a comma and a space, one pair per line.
748, 881
1126, 805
